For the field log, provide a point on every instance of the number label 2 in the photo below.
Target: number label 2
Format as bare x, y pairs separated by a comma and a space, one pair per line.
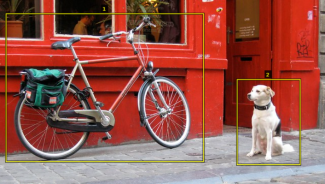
268, 74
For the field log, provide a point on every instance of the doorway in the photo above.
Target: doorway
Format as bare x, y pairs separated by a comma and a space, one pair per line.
248, 53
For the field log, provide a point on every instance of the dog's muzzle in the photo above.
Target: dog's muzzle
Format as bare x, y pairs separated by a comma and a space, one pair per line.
249, 96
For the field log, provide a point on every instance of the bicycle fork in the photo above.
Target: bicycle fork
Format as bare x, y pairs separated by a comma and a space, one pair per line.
163, 111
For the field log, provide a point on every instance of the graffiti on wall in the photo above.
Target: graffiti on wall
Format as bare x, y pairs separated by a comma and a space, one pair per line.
303, 44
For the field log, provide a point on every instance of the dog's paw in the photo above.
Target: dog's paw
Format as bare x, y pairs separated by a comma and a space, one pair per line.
257, 152
250, 154
268, 157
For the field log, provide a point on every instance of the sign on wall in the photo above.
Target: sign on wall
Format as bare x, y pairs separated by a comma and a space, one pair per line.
247, 19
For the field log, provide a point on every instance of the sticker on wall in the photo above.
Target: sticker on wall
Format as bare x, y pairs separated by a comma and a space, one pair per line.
310, 15
214, 19
211, 18
219, 10
217, 46
205, 56
218, 22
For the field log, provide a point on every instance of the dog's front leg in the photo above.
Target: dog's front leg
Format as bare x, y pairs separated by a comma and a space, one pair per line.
254, 137
269, 145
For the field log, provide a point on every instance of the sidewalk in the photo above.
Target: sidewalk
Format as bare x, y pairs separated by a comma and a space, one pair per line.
219, 167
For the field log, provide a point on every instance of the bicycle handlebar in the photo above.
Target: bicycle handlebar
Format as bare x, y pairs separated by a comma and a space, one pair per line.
106, 36
145, 21
112, 35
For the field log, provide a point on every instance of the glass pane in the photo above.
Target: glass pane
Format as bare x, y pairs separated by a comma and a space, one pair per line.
20, 26
247, 20
168, 28
87, 24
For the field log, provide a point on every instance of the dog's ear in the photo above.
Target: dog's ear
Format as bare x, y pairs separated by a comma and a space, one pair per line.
270, 92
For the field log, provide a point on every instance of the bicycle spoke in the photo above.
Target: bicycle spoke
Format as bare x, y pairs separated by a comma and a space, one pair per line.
152, 115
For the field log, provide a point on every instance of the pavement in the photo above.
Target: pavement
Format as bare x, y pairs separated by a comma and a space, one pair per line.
218, 162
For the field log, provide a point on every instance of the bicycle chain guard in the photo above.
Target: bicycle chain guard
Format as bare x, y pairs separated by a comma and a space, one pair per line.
94, 125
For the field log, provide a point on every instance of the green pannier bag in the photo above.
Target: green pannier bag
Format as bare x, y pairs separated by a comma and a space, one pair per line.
44, 88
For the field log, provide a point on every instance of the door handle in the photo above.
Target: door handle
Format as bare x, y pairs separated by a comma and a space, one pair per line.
229, 32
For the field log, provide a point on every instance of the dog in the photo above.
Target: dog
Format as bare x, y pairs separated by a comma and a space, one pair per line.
266, 125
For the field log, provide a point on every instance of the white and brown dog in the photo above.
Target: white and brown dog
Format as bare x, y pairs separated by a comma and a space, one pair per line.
266, 125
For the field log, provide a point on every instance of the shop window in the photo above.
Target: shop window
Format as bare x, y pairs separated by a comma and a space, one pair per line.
20, 26
168, 28
87, 23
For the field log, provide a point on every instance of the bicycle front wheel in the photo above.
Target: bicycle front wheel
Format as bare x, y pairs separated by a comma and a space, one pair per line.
41, 139
168, 126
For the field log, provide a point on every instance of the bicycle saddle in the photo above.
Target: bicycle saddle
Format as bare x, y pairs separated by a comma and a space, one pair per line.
65, 44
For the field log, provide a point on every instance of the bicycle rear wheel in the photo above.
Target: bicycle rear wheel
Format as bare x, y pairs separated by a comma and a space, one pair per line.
41, 139
168, 127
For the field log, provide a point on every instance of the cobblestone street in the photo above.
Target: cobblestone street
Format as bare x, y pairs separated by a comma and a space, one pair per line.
90, 165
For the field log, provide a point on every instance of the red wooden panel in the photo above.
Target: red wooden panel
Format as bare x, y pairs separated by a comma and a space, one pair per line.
99, 84
194, 95
302, 31
181, 62
214, 102
290, 60
248, 59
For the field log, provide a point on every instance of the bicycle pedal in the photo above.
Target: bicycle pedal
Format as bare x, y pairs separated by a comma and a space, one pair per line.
99, 104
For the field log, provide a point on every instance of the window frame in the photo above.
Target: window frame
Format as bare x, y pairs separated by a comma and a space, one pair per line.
57, 35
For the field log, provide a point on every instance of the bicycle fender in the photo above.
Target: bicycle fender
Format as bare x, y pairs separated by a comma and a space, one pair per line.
139, 98
141, 91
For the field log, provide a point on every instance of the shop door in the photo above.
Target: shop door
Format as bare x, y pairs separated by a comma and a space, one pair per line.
248, 53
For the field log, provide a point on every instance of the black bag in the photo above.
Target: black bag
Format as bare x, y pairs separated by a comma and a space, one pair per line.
44, 88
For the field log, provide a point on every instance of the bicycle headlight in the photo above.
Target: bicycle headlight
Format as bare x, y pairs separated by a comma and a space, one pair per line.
150, 66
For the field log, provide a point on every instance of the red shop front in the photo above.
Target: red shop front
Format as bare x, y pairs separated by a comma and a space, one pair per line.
278, 38
180, 59
285, 45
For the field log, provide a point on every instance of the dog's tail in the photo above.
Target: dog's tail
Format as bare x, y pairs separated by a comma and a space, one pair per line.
288, 148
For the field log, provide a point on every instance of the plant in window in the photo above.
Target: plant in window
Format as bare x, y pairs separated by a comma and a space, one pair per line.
11, 6
14, 23
142, 6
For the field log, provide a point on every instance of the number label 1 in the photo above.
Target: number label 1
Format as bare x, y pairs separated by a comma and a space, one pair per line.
104, 8
268, 74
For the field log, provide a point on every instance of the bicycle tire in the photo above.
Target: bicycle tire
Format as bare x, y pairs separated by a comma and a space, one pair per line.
41, 139
176, 123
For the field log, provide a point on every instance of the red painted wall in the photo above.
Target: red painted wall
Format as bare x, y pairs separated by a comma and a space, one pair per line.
181, 63
295, 48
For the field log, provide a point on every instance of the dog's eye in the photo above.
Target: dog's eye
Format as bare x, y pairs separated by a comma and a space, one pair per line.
257, 91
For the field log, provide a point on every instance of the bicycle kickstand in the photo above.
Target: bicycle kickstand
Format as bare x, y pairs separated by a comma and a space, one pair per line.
108, 136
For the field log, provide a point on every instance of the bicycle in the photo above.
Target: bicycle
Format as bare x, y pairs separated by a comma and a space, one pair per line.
57, 133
